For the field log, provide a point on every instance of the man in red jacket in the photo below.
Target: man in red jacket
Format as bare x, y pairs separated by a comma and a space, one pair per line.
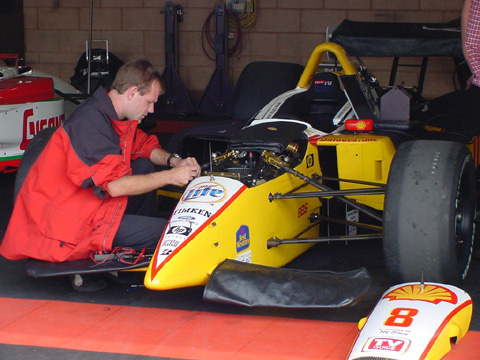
90, 188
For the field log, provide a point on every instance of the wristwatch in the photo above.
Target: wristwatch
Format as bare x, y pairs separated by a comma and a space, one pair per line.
170, 157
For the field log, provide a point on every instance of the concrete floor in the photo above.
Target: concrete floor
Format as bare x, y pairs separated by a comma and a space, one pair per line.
28, 304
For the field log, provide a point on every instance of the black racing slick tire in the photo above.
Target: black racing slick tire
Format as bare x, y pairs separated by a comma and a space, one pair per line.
429, 212
30, 155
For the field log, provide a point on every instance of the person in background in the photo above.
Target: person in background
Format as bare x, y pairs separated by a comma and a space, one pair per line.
457, 112
471, 40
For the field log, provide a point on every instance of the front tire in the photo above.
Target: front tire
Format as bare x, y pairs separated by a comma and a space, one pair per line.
429, 212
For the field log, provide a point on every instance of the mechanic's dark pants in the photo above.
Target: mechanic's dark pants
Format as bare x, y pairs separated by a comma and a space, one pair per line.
138, 229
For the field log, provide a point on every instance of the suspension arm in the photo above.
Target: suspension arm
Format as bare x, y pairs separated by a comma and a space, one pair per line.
328, 193
274, 241
273, 160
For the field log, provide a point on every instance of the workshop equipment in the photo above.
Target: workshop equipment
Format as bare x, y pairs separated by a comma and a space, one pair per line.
176, 99
217, 99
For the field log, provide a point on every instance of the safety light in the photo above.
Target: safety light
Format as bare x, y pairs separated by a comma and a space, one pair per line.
359, 125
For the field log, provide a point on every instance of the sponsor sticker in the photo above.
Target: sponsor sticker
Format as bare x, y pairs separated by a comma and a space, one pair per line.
202, 212
310, 160
323, 86
170, 243
242, 238
179, 230
353, 216
187, 218
302, 210
206, 192
34, 121
396, 345
432, 293
245, 257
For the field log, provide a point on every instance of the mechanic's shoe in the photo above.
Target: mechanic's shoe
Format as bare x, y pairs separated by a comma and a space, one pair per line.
88, 283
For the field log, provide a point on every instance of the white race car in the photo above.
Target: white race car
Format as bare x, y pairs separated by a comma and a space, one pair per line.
28, 104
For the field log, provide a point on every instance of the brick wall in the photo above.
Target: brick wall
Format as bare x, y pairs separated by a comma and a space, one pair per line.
285, 30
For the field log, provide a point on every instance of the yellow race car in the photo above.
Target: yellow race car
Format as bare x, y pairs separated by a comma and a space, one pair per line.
319, 154
313, 165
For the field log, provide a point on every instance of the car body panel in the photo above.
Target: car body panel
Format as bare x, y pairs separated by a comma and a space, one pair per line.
414, 321
209, 228
364, 157
28, 104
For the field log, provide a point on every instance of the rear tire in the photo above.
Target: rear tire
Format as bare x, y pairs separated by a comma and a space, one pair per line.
429, 212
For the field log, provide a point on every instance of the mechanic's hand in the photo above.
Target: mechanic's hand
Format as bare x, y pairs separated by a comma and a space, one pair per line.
182, 175
189, 161
186, 161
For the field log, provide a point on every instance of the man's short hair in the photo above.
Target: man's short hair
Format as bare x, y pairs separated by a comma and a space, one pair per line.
139, 73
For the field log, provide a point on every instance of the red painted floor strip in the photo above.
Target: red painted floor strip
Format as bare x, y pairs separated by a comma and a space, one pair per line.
181, 334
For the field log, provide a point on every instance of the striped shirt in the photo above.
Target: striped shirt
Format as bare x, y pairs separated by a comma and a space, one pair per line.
472, 40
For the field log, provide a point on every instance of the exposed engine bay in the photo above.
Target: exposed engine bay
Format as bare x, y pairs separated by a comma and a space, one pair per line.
253, 159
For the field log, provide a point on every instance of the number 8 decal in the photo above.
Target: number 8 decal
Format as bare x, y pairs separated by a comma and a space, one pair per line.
402, 317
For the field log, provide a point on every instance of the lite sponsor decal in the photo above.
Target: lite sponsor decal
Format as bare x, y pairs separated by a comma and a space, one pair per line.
242, 238
32, 125
387, 344
206, 192
429, 293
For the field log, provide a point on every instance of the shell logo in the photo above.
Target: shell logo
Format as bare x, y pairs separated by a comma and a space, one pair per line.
361, 125
429, 293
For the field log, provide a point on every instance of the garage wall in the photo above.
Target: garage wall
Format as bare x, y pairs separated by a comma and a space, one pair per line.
285, 30
11, 23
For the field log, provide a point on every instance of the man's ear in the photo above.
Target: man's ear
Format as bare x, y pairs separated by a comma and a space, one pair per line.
131, 92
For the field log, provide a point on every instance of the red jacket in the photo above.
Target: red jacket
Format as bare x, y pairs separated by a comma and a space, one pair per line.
62, 211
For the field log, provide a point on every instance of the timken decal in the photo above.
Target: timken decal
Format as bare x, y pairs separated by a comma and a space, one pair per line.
191, 211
